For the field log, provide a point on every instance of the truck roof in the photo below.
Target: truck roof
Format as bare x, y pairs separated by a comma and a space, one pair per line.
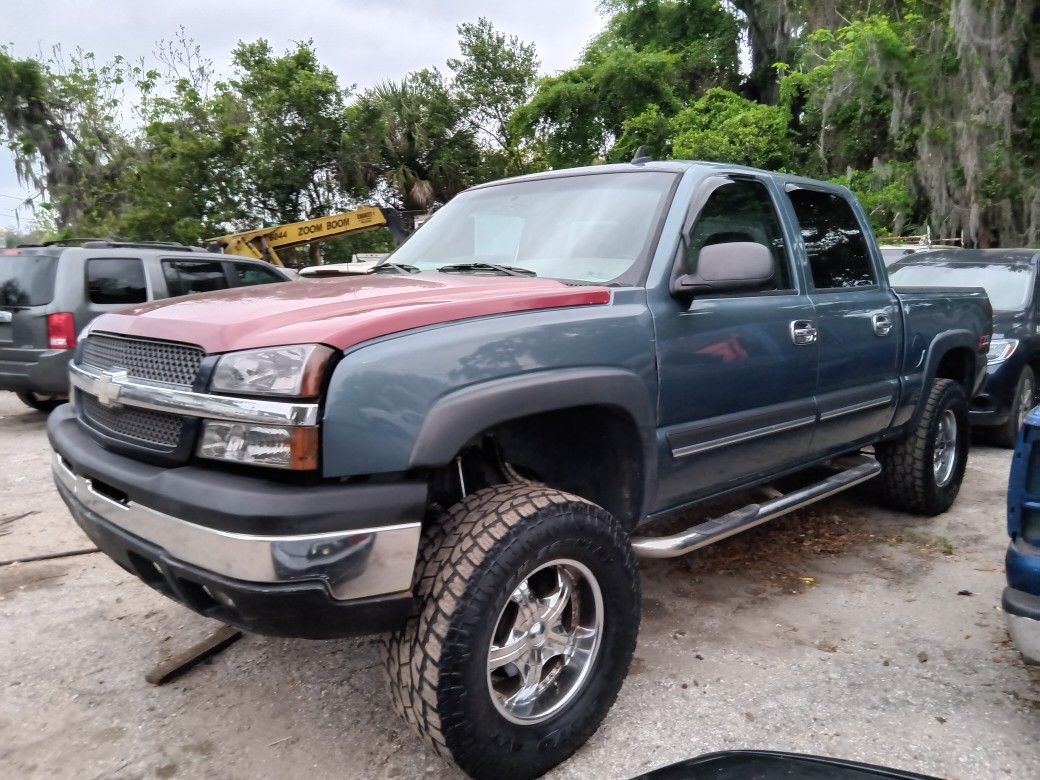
666, 166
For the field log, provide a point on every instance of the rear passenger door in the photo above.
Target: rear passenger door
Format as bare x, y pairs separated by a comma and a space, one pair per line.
858, 324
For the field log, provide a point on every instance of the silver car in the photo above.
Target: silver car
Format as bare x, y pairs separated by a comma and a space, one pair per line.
49, 293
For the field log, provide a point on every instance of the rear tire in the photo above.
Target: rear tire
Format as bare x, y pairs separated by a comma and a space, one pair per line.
922, 472
1022, 401
40, 403
502, 698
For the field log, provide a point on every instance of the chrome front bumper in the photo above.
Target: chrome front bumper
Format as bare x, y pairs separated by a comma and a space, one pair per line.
353, 564
1025, 633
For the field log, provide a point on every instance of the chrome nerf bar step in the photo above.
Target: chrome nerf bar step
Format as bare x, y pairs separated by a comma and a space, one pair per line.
857, 470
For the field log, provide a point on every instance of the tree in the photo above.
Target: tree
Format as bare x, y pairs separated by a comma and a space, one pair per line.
295, 115
61, 120
724, 127
492, 78
653, 53
948, 90
407, 144
187, 181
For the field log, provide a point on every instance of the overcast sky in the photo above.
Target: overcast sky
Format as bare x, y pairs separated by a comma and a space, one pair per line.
363, 42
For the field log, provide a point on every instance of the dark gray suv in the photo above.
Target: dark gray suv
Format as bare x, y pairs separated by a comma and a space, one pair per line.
49, 293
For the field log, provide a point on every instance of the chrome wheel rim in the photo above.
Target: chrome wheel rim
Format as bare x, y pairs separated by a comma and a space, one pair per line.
944, 457
545, 642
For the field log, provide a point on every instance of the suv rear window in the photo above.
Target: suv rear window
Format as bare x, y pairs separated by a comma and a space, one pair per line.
187, 276
27, 280
116, 280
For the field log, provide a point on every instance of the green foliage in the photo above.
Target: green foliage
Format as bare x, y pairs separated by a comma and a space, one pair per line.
61, 119
724, 127
944, 88
406, 141
493, 77
653, 56
928, 109
188, 178
295, 116
888, 194
859, 72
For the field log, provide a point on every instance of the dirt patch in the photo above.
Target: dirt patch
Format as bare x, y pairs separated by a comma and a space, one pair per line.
8, 521
33, 576
781, 554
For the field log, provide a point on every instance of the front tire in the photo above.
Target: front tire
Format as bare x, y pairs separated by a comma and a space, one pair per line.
524, 634
922, 472
1025, 393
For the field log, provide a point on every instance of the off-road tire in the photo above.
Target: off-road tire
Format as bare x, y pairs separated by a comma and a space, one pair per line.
40, 403
907, 481
1006, 434
437, 665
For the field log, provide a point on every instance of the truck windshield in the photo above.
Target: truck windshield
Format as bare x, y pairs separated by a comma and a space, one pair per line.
27, 280
1006, 284
591, 228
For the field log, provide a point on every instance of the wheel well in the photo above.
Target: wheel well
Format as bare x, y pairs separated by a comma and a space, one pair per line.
959, 365
591, 451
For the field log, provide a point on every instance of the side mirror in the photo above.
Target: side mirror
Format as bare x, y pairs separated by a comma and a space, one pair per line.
732, 267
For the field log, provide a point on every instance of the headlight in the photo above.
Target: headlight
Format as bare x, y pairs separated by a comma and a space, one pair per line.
290, 371
1000, 350
276, 446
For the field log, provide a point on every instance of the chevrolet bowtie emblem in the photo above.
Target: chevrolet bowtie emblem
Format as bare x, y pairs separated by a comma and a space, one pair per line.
107, 387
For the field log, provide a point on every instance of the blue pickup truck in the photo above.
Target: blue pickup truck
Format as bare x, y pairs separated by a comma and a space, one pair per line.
467, 448
1021, 597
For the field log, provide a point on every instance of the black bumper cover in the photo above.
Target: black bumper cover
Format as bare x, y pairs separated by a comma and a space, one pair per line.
304, 610
238, 504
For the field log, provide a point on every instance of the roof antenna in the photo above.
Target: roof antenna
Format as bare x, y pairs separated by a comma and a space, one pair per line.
641, 156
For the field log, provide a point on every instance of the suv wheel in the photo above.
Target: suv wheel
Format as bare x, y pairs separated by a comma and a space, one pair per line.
40, 403
1021, 403
528, 616
922, 472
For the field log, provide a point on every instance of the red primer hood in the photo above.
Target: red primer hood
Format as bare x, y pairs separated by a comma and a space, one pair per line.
339, 312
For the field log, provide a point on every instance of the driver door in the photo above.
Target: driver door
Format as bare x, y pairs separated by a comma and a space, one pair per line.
736, 390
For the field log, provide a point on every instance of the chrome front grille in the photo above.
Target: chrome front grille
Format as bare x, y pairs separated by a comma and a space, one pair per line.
156, 429
155, 361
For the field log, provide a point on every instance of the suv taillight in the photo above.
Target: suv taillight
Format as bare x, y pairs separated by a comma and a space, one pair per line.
61, 330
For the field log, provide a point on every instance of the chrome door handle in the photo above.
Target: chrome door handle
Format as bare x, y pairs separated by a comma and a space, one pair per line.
882, 324
803, 332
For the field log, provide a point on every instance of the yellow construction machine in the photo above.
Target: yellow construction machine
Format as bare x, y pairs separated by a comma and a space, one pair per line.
265, 243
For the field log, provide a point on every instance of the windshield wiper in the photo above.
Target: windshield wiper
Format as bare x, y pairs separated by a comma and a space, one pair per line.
397, 268
507, 270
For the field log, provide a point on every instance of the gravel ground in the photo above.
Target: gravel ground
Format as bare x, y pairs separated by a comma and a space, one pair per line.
843, 630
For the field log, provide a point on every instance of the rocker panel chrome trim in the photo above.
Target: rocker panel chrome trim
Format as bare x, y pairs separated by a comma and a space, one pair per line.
737, 438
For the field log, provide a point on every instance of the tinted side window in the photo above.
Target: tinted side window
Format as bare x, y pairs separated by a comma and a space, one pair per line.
834, 241
741, 210
116, 280
246, 275
186, 276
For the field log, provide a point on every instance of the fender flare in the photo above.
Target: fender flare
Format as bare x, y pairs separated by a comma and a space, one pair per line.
940, 345
459, 416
